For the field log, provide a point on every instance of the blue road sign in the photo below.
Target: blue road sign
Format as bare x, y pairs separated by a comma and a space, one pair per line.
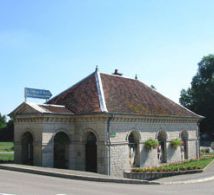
37, 93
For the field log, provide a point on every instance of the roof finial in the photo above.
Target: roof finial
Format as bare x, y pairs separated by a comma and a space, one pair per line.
97, 68
136, 78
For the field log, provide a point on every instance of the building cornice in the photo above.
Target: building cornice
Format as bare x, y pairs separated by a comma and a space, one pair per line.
116, 118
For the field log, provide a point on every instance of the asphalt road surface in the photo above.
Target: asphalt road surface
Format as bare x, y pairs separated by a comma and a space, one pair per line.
30, 184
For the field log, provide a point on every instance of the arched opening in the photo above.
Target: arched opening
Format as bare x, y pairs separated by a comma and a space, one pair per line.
184, 148
162, 151
61, 150
134, 153
27, 148
91, 152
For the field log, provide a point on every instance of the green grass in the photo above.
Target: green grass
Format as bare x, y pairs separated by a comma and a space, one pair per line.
6, 146
183, 166
6, 157
6, 151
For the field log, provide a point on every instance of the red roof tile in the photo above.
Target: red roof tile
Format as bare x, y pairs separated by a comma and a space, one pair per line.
55, 109
125, 95
121, 95
81, 98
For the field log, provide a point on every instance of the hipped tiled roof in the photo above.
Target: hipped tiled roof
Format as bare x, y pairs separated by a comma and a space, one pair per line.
80, 98
54, 109
32, 108
120, 95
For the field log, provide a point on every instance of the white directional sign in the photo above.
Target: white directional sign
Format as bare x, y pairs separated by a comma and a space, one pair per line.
37, 93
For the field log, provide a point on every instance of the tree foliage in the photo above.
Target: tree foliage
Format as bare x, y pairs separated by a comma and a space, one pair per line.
3, 122
200, 96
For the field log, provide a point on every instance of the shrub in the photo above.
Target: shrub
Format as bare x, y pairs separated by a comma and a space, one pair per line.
175, 167
175, 143
151, 144
204, 151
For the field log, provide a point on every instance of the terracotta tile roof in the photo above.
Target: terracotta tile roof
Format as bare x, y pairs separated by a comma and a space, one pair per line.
34, 108
55, 109
125, 95
121, 95
81, 98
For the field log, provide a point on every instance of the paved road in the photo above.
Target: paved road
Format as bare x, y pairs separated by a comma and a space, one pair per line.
29, 184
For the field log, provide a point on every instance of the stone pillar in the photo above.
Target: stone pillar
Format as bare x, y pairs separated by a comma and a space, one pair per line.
37, 153
18, 153
149, 158
101, 158
47, 150
72, 159
174, 154
78, 156
197, 148
48, 154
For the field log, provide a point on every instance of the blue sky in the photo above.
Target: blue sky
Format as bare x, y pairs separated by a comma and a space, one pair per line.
52, 44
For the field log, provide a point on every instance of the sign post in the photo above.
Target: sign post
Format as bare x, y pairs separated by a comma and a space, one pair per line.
37, 93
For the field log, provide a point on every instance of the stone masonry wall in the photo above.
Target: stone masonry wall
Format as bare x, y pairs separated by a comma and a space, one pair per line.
113, 157
50, 129
120, 130
98, 127
35, 128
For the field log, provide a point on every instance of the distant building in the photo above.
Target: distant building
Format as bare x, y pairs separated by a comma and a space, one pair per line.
100, 124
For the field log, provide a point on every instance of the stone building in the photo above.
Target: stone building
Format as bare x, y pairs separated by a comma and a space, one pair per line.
101, 124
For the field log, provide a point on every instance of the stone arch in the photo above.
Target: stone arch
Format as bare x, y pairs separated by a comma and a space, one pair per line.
162, 135
134, 148
162, 149
61, 130
27, 141
184, 135
90, 151
61, 150
85, 133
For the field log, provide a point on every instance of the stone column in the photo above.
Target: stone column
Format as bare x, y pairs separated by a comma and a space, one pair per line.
149, 157
101, 158
37, 153
78, 156
18, 153
47, 150
72, 159
174, 154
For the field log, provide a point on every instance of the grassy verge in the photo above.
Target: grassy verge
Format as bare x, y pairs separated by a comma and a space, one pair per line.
183, 166
6, 151
6, 157
6, 146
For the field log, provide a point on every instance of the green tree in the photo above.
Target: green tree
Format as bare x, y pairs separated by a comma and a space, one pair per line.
200, 96
3, 122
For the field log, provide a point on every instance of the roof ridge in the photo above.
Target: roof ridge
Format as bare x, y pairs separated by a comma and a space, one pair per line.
119, 76
100, 92
52, 105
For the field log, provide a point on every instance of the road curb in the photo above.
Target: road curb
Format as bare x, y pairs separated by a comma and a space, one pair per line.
189, 181
35, 170
76, 177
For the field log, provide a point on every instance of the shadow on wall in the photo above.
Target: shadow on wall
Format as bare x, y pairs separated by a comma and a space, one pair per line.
149, 157
174, 154
146, 154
